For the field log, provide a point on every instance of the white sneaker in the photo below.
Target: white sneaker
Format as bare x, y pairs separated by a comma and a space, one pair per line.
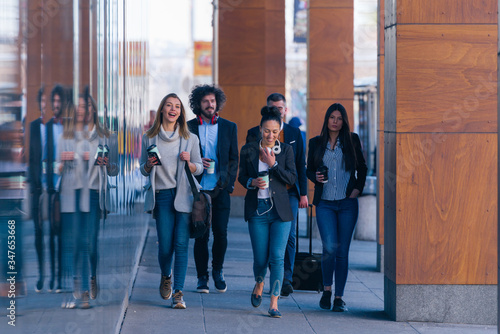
178, 301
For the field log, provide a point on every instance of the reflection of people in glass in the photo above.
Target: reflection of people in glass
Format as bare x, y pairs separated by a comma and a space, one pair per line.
266, 168
54, 129
169, 195
335, 197
73, 156
103, 162
36, 178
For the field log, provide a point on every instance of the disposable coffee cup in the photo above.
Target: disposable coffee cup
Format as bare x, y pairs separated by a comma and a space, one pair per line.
265, 176
324, 171
211, 168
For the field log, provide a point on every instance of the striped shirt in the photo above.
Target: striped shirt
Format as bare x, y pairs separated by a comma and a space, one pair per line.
338, 177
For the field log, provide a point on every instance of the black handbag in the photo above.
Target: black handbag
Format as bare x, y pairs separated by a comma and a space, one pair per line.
201, 216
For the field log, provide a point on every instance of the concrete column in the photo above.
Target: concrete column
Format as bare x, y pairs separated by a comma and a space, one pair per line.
440, 161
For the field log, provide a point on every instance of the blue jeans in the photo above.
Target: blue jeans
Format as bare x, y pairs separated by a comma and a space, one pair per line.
336, 221
291, 244
172, 228
268, 234
94, 224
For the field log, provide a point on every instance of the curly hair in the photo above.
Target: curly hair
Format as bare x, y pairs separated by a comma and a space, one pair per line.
201, 91
58, 90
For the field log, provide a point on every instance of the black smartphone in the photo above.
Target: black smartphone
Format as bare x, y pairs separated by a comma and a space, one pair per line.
153, 152
98, 153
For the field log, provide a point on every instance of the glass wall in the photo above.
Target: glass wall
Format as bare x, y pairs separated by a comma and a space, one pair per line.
73, 106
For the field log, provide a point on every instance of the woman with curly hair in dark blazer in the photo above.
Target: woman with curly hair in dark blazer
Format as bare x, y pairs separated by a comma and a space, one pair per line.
337, 185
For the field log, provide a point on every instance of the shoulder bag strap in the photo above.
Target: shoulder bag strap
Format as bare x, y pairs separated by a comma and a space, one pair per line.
194, 189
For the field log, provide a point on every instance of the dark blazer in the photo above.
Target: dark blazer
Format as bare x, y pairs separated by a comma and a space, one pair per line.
357, 180
293, 137
51, 155
35, 159
279, 177
227, 151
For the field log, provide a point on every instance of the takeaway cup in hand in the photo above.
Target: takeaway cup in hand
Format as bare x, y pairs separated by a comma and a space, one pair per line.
323, 170
265, 176
211, 169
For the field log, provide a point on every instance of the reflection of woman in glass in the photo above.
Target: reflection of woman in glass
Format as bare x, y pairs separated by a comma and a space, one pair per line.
103, 151
169, 195
73, 156
267, 206
335, 197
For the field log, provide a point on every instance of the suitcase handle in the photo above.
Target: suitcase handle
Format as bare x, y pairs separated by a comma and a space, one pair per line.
309, 223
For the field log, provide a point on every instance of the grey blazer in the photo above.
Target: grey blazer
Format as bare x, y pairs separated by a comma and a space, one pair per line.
184, 197
105, 202
70, 176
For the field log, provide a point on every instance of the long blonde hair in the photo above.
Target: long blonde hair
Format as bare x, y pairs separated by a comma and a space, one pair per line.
101, 129
69, 120
181, 121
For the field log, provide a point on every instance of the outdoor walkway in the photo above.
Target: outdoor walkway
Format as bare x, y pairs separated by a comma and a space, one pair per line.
231, 312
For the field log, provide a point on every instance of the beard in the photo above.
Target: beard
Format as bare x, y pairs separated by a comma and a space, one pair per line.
208, 113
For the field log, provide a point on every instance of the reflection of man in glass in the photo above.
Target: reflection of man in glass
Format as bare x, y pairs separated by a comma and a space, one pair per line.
219, 148
54, 129
37, 182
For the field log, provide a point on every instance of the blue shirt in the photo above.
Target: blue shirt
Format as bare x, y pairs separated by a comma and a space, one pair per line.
338, 178
208, 139
57, 130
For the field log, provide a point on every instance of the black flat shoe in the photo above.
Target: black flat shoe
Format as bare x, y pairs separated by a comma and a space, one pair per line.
274, 313
326, 300
255, 299
339, 305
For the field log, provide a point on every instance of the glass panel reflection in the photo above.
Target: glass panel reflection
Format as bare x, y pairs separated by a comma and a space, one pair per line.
72, 93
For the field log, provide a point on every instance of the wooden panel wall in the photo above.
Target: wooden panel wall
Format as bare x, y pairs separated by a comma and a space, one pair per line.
251, 60
34, 71
441, 133
330, 61
380, 124
50, 52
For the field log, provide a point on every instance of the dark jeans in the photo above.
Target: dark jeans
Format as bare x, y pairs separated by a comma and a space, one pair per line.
94, 224
36, 214
291, 244
55, 242
336, 221
221, 204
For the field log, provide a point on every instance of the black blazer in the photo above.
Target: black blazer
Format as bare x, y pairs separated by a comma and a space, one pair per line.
51, 155
227, 151
35, 159
279, 177
357, 180
293, 137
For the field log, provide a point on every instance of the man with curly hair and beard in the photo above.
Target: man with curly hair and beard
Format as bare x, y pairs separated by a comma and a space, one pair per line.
219, 151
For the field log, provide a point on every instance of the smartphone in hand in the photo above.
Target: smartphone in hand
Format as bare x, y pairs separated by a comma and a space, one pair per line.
154, 152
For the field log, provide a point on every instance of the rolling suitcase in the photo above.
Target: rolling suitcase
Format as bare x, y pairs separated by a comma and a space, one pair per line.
307, 267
